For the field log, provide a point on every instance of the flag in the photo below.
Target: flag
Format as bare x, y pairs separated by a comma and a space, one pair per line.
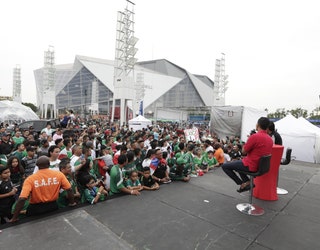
141, 108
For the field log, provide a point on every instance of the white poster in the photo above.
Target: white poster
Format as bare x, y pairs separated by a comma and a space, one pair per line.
191, 134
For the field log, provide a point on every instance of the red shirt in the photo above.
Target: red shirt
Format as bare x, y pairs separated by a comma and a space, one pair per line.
258, 144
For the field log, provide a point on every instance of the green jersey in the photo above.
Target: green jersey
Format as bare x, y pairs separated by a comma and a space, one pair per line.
116, 180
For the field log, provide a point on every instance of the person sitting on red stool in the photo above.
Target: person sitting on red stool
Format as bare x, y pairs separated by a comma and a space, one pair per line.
257, 145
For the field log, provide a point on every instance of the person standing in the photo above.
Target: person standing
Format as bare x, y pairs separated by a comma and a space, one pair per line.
29, 162
276, 137
43, 188
18, 138
6, 144
258, 144
48, 130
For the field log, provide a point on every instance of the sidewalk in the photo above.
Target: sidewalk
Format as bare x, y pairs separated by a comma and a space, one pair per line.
196, 215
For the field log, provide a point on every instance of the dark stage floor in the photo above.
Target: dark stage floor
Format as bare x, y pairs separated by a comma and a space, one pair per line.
200, 214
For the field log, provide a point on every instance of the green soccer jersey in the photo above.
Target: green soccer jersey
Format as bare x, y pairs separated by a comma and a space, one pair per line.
129, 183
211, 161
116, 180
197, 161
62, 199
90, 194
18, 140
127, 169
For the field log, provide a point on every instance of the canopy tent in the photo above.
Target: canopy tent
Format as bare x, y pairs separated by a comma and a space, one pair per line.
301, 136
14, 112
139, 122
234, 121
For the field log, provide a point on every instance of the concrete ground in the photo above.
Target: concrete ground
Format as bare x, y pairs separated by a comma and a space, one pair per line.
200, 214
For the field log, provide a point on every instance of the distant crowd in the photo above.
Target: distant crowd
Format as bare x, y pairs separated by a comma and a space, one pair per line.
90, 162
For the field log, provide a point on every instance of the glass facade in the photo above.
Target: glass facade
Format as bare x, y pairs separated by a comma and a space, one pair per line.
84, 87
77, 94
183, 94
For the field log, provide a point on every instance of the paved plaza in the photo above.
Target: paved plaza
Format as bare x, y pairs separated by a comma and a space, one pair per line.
200, 214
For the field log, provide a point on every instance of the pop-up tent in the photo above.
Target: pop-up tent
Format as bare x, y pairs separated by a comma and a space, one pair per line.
301, 136
139, 122
14, 112
234, 121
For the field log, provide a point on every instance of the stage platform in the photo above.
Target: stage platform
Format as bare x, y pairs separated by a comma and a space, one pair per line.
200, 214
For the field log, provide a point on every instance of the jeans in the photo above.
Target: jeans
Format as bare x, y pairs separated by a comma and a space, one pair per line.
230, 168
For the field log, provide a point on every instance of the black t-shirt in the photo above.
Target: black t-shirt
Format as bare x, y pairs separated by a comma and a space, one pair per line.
148, 182
235, 154
5, 147
277, 138
6, 187
160, 171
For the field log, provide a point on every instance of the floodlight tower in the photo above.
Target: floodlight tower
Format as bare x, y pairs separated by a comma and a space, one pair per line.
48, 95
220, 82
124, 61
16, 90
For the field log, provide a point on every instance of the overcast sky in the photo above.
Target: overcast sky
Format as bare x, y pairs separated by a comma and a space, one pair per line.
272, 48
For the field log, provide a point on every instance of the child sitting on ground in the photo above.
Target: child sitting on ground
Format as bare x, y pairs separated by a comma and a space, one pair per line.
93, 194
133, 182
147, 182
209, 161
180, 171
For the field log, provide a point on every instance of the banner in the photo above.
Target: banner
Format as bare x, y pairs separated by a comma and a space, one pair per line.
192, 134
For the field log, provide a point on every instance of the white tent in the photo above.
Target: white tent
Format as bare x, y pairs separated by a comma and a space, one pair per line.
14, 112
234, 120
301, 136
316, 130
139, 122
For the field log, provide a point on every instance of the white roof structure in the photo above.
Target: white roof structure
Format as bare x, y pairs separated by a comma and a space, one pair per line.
168, 85
14, 112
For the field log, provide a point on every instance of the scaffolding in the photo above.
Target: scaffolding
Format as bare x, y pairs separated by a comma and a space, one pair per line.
48, 95
220, 82
16, 90
125, 61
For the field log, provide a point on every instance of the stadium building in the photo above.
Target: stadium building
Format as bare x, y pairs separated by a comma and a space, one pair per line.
168, 91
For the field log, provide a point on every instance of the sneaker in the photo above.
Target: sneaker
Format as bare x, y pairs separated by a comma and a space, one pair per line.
167, 182
193, 175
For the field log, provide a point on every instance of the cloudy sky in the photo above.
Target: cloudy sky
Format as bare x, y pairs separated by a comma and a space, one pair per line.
272, 48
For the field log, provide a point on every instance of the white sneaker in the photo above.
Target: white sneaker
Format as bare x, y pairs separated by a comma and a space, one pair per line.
167, 182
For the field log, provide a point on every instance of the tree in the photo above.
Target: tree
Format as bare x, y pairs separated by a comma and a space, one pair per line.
30, 105
298, 112
279, 114
315, 114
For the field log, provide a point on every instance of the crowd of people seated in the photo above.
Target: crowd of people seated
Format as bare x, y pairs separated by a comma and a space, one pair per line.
96, 161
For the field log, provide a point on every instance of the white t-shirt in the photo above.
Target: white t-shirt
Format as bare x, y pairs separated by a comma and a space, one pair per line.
209, 148
73, 161
54, 165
